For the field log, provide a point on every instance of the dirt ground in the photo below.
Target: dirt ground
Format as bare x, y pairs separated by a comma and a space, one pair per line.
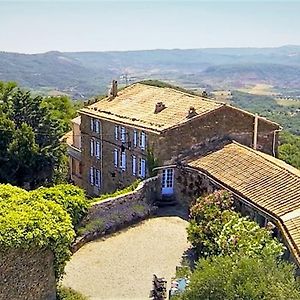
121, 266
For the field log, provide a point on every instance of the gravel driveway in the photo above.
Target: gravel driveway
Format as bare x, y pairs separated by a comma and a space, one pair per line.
121, 266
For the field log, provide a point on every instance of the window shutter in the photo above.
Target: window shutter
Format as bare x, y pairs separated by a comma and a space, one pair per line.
92, 124
123, 134
134, 138
99, 178
133, 165
116, 132
91, 175
97, 126
116, 154
123, 161
98, 149
92, 147
143, 173
143, 141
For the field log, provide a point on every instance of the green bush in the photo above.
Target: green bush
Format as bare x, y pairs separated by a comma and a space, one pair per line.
215, 229
208, 216
241, 236
41, 219
64, 293
69, 196
244, 278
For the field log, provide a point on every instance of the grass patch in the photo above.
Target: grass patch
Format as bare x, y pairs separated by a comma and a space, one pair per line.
64, 293
95, 225
126, 190
138, 208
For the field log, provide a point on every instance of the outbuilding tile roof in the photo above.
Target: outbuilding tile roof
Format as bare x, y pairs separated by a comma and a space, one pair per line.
267, 182
135, 105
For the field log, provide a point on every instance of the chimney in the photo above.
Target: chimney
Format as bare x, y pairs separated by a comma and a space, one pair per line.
159, 107
113, 91
191, 113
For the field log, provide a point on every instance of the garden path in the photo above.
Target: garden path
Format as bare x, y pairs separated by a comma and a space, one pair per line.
121, 266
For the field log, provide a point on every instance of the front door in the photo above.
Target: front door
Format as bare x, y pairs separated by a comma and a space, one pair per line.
167, 182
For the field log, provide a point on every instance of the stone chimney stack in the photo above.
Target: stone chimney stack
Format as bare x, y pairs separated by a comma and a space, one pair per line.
191, 113
159, 107
114, 88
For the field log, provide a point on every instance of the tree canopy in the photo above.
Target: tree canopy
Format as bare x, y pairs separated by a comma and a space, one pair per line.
31, 153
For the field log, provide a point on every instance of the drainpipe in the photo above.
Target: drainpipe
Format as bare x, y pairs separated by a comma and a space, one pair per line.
274, 140
255, 132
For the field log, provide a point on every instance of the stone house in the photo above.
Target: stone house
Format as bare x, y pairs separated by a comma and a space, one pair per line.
264, 188
120, 137
199, 145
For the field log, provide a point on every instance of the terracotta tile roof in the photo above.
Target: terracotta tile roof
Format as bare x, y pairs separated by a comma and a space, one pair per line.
135, 105
267, 182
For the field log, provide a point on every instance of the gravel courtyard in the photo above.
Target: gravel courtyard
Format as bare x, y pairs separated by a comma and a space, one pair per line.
121, 266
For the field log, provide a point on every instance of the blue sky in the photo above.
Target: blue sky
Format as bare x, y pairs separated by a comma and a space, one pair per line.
66, 25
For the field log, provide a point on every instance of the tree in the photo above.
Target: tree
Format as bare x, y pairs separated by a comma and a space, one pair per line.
31, 153
289, 150
244, 278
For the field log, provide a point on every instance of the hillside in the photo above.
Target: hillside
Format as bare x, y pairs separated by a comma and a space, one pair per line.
83, 74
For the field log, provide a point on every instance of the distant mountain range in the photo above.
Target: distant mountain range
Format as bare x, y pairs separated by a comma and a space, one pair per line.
84, 74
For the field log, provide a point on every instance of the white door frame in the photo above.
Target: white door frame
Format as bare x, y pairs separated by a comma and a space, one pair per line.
167, 184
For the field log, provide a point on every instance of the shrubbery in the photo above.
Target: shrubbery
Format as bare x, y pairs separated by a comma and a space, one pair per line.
41, 219
64, 293
215, 229
223, 277
238, 259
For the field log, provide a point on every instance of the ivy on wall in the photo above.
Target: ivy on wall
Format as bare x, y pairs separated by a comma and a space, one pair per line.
43, 218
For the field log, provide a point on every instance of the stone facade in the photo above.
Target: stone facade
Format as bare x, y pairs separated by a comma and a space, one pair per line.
113, 177
119, 212
27, 275
205, 131
170, 145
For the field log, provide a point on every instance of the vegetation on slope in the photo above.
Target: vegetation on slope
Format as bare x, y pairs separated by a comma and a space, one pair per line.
287, 116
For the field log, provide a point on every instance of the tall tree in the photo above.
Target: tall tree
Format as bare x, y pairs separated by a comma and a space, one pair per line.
31, 153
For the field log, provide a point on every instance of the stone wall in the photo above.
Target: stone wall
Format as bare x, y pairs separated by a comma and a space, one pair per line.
113, 214
218, 125
27, 275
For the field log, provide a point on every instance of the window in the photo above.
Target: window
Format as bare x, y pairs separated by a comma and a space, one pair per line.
143, 140
116, 157
142, 167
123, 134
95, 125
123, 161
135, 138
95, 177
133, 165
95, 148
117, 132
